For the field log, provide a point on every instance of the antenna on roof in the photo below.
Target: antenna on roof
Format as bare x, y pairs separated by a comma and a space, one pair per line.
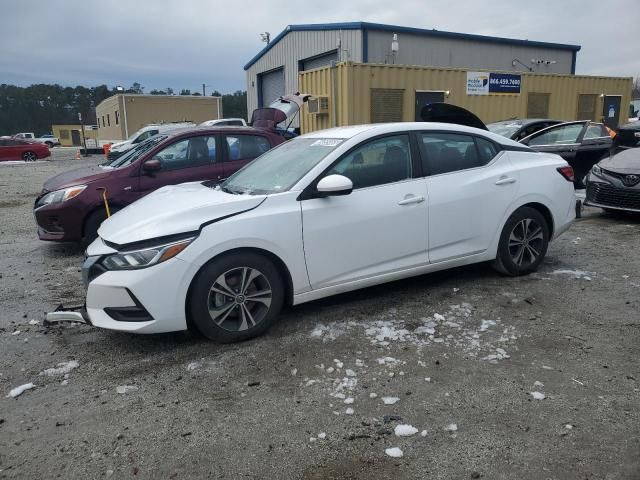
265, 37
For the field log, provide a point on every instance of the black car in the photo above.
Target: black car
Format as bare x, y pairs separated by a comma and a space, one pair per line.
614, 183
628, 136
517, 129
582, 144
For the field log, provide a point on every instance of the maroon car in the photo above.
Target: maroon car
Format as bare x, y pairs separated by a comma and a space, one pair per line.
71, 206
16, 149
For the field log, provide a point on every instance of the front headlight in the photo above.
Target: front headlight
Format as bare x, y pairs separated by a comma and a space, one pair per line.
61, 195
596, 170
144, 258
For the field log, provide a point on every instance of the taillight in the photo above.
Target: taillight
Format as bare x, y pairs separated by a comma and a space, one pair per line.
567, 173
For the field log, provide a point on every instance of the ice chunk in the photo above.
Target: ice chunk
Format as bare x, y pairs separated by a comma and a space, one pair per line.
322, 435
538, 395
349, 411
373, 395
394, 452
452, 427
538, 384
20, 390
61, 369
348, 401
390, 400
405, 430
350, 373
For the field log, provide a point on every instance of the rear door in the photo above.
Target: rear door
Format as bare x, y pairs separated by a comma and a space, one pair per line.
596, 143
4, 150
563, 139
240, 149
470, 185
186, 160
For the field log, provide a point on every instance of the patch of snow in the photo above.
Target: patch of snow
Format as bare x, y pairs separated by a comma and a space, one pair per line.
423, 433
388, 361
16, 332
338, 363
484, 326
546, 367
573, 273
34, 322
330, 370
538, 395
390, 400
350, 373
373, 395
394, 452
328, 332
322, 435
126, 388
61, 369
538, 383
568, 426
20, 390
359, 363
193, 366
349, 411
405, 430
452, 427
294, 371
439, 318
427, 379
348, 400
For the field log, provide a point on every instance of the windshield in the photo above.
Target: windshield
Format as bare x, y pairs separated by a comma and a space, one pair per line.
504, 129
135, 153
280, 168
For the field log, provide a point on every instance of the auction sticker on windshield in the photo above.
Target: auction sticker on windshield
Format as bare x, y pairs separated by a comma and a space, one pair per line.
327, 142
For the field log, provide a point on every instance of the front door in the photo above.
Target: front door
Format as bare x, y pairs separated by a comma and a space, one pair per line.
470, 187
75, 138
186, 160
611, 111
381, 227
424, 98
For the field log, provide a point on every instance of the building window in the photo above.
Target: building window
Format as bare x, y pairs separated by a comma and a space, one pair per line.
386, 105
538, 105
587, 106
108, 120
117, 117
103, 124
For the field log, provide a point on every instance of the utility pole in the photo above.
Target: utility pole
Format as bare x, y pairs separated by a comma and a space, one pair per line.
203, 93
84, 139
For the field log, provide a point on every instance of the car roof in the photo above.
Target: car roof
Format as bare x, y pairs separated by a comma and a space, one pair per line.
523, 121
382, 128
216, 129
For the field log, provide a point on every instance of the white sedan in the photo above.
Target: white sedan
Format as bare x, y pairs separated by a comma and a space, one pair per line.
322, 214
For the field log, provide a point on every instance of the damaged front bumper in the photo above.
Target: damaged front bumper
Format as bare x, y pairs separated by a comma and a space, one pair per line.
64, 314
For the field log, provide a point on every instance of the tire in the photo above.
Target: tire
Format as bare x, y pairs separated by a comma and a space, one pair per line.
92, 223
29, 156
49, 144
514, 257
236, 317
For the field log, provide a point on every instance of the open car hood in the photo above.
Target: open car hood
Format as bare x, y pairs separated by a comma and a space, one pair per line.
447, 113
281, 110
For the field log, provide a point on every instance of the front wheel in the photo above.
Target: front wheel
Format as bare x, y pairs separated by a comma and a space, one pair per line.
236, 297
29, 156
523, 243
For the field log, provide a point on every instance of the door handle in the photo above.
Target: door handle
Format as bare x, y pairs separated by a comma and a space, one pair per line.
411, 200
505, 181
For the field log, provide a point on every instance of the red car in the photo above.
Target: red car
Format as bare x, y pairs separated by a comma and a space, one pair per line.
15, 149
71, 205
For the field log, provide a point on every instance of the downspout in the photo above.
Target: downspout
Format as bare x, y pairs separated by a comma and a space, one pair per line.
334, 95
218, 103
126, 123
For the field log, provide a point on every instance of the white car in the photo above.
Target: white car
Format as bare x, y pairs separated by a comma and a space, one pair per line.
224, 122
148, 131
322, 214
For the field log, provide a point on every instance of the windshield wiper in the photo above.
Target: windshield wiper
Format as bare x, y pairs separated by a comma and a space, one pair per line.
228, 190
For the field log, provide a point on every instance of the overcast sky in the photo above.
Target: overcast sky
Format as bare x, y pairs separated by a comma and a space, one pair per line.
182, 44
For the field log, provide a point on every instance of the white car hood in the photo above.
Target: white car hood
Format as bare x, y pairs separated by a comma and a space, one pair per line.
116, 147
172, 210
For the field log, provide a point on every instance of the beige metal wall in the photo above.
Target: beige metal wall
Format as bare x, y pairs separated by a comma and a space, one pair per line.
136, 111
352, 96
66, 138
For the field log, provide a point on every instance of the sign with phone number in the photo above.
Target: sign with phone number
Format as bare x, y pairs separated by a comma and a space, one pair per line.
484, 83
504, 83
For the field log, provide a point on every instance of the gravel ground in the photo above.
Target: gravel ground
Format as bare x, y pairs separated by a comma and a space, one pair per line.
465, 347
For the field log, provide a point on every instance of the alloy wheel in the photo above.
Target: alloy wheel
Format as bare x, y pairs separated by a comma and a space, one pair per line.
29, 156
526, 242
239, 299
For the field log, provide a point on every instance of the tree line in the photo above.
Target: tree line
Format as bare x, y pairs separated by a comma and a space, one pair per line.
36, 107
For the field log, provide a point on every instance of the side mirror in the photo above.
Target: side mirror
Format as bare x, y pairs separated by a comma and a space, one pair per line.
333, 185
152, 165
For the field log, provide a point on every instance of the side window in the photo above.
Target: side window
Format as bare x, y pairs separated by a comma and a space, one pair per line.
451, 152
381, 161
187, 153
243, 147
595, 131
563, 135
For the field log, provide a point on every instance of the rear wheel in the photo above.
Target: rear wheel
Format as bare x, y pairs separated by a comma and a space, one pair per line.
49, 144
236, 297
29, 156
523, 243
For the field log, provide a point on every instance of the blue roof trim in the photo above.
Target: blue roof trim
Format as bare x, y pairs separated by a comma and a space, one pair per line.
399, 29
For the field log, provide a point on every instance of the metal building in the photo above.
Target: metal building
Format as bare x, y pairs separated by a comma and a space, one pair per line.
274, 70
121, 115
356, 93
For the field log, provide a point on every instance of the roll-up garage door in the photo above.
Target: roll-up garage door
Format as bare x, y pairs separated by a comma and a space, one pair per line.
320, 60
271, 86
